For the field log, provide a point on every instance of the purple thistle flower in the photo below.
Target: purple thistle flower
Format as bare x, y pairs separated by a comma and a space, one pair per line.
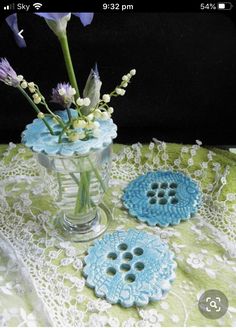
13, 24
7, 73
63, 94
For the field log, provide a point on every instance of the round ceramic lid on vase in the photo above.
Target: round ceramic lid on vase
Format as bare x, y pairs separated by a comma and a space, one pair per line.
37, 137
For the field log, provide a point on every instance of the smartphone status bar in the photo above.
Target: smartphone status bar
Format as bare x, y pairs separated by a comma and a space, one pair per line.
122, 6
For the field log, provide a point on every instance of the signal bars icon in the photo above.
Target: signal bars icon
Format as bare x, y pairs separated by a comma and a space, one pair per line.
9, 7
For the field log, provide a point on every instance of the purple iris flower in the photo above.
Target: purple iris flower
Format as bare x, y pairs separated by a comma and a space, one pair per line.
85, 18
54, 19
7, 73
63, 94
13, 24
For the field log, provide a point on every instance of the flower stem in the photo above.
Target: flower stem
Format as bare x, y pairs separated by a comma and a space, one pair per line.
44, 103
35, 108
83, 202
69, 114
99, 178
69, 66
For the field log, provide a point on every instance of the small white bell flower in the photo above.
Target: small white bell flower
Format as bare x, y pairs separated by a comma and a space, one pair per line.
37, 99
79, 124
24, 85
118, 91
125, 78
105, 116
97, 113
41, 115
80, 102
74, 136
87, 101
106, 98
133, 72
90, 117
20, 78
110, 110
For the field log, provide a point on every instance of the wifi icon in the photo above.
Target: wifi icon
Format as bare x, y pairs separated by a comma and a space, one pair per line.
37, 5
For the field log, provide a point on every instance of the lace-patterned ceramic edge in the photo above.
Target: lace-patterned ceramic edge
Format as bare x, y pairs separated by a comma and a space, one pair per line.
192, 210
37, 137
89, 270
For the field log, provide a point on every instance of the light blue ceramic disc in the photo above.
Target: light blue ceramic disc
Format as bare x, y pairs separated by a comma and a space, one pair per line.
37, 137
130, 268
162, 198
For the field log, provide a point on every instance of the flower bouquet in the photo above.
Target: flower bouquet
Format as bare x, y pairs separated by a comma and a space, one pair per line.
72, 145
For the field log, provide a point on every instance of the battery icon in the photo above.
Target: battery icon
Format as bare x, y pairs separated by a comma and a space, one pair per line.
224, 5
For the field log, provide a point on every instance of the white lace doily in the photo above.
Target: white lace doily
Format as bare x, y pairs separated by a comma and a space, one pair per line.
52, 268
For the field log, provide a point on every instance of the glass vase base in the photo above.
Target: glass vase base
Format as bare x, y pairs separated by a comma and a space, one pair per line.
87, 231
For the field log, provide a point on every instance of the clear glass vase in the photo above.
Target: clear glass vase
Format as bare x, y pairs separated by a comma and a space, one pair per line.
77, 185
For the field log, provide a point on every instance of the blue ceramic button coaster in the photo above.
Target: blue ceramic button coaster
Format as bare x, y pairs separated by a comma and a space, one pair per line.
130, 268
162, 198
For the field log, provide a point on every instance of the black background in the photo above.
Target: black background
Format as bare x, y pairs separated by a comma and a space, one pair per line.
186, 73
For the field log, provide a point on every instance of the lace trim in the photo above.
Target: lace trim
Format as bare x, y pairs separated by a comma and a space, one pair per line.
27, 285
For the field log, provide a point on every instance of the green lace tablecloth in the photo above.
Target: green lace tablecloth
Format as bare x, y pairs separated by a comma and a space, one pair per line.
40, 277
